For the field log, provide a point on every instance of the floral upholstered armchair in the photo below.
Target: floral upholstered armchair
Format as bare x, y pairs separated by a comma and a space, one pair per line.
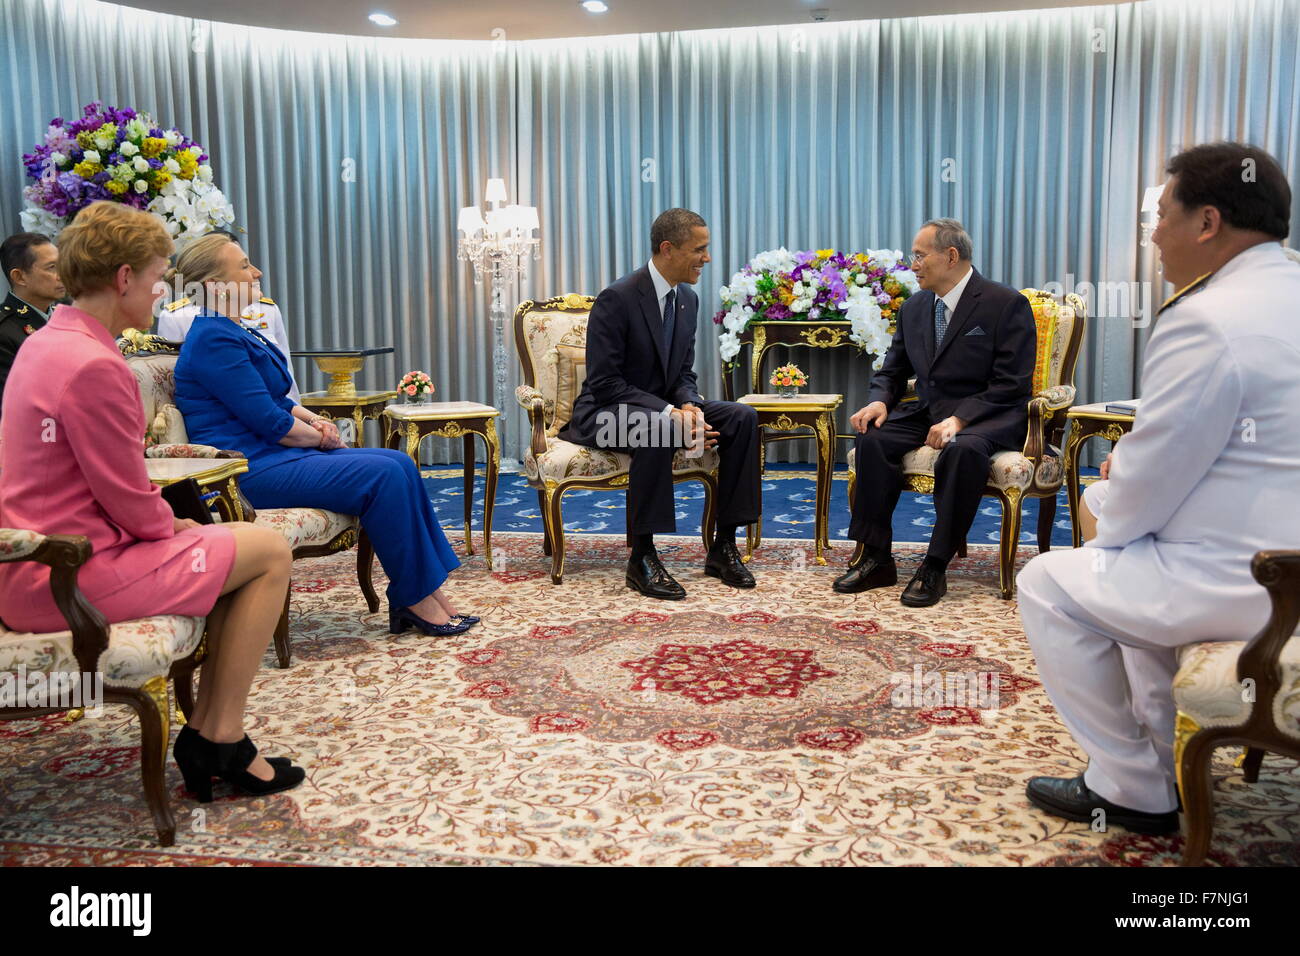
1238, 692
1035, 471
311, 532
551, 337
136, 659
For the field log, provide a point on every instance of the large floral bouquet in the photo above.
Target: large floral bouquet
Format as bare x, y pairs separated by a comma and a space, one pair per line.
866, 288
124, 156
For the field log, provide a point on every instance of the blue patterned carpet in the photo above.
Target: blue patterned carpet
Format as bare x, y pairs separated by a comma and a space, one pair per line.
788, 495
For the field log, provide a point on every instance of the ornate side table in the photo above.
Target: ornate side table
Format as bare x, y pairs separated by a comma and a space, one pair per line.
211, 474
413, 423
814, 413
1087, 421
341, 400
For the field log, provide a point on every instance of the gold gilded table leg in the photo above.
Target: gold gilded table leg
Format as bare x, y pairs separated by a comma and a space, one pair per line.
1072, 445
825, 449
490, 493
468, 440
358, 422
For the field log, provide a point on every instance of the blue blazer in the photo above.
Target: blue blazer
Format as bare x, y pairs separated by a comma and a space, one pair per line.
232, 388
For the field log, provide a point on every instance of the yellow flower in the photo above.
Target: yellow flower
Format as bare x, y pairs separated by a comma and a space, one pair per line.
189, 166
115, 187
151, 146
86, 139
160, 178
86, 170
825, 253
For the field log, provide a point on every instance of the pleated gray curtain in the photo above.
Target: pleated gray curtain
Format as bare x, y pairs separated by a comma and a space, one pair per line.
1039, 130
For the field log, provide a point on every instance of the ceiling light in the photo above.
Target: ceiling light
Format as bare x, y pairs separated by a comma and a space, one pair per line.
382, 20
595, 6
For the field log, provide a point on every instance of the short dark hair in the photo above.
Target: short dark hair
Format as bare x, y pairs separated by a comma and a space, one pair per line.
16, 252
1214, 174
674, 225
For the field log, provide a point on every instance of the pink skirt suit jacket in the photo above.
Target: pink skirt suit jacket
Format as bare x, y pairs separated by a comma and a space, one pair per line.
72, 462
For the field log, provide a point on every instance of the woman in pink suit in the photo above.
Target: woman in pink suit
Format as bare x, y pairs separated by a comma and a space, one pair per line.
71, 462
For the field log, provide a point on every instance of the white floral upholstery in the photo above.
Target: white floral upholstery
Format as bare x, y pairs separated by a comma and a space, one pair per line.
563, 459
1058, 396
543, 331
16, 543
155, 373
138, 651
1206, 688
1007, 469
306, 527
182, 451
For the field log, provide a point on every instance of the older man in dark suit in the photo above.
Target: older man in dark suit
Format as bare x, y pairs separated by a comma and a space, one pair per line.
971, 344
640, 396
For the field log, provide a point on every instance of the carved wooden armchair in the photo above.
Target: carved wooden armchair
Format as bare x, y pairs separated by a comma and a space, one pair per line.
551, 337
1035, 471
311, 532
135, 658
1238, 692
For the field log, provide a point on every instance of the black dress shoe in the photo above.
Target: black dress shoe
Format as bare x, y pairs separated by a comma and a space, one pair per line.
928, 584
724, 563
1069, 797
865, 575
648, 575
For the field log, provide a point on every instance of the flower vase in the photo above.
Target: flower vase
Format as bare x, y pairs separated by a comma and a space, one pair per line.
420, 398
787, 391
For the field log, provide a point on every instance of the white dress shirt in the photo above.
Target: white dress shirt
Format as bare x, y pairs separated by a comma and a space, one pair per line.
662, 288
953, 296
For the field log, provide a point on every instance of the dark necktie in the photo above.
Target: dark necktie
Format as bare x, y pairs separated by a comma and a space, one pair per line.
940, 321
670, 317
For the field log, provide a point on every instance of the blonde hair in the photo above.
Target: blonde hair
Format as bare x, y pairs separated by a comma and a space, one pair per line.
198, 262
104, 237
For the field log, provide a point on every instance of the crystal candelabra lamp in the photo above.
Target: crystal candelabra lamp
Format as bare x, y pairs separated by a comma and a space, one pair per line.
499, 245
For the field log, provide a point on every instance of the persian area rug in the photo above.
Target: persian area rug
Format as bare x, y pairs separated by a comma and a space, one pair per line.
584, 724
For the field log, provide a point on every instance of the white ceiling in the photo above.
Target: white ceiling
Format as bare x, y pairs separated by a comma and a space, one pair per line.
538, 19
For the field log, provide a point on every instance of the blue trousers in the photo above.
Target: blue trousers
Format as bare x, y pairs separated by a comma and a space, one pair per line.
381, 486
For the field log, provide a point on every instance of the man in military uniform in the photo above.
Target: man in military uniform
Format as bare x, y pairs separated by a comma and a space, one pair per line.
31, 264
1170, 561
262, 316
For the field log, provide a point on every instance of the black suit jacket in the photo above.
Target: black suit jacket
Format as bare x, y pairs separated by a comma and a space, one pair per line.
626, 364
16, 316
982, 370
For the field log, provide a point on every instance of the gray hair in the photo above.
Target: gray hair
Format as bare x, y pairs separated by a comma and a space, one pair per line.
951, 234
674, 225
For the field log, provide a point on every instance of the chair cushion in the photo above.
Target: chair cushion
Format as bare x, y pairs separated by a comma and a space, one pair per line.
306, 527
167, 428
563, 459
17, 543
543, 330
1206, 688
1007, 469
138, 651
570, 373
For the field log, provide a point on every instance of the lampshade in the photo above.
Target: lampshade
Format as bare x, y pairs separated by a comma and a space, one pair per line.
470, 220
498, 221
528, 218
496, 191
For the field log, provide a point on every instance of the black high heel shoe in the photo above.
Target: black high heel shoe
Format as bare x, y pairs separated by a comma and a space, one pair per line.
201, 759
402, 618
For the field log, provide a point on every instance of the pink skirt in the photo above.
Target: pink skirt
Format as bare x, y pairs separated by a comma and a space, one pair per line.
182, 575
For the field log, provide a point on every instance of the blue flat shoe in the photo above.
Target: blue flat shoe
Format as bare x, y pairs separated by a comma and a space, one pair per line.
404, 618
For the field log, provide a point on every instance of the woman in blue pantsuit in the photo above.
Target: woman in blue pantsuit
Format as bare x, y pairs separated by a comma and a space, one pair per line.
232, 386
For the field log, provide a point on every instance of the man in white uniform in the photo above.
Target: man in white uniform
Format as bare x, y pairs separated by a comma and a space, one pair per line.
262, 316
1209, 475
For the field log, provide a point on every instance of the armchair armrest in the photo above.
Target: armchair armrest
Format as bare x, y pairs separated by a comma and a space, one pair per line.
1279, 572
1044, 408
64, 554
189, 450
534, 402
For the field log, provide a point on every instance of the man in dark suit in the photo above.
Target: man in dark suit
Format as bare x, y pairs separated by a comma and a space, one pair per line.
971, 344
640, 396
31, 264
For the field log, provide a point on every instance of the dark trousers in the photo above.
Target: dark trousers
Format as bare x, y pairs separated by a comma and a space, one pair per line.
650, 508
960, 476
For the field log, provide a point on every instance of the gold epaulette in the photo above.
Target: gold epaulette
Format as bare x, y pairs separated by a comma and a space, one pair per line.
267, 299
1186, 290
178, 304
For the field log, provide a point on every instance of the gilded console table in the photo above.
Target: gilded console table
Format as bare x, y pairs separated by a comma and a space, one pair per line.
1087, 421
341, 400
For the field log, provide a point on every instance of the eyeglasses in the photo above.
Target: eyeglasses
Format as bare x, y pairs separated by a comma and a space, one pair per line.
919, 257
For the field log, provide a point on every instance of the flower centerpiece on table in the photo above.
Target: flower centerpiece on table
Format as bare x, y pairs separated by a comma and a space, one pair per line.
788, 379
417, 387
865, 288
124, 156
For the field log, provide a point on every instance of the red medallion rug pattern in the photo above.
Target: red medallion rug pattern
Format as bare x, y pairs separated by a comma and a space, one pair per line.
584, 724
